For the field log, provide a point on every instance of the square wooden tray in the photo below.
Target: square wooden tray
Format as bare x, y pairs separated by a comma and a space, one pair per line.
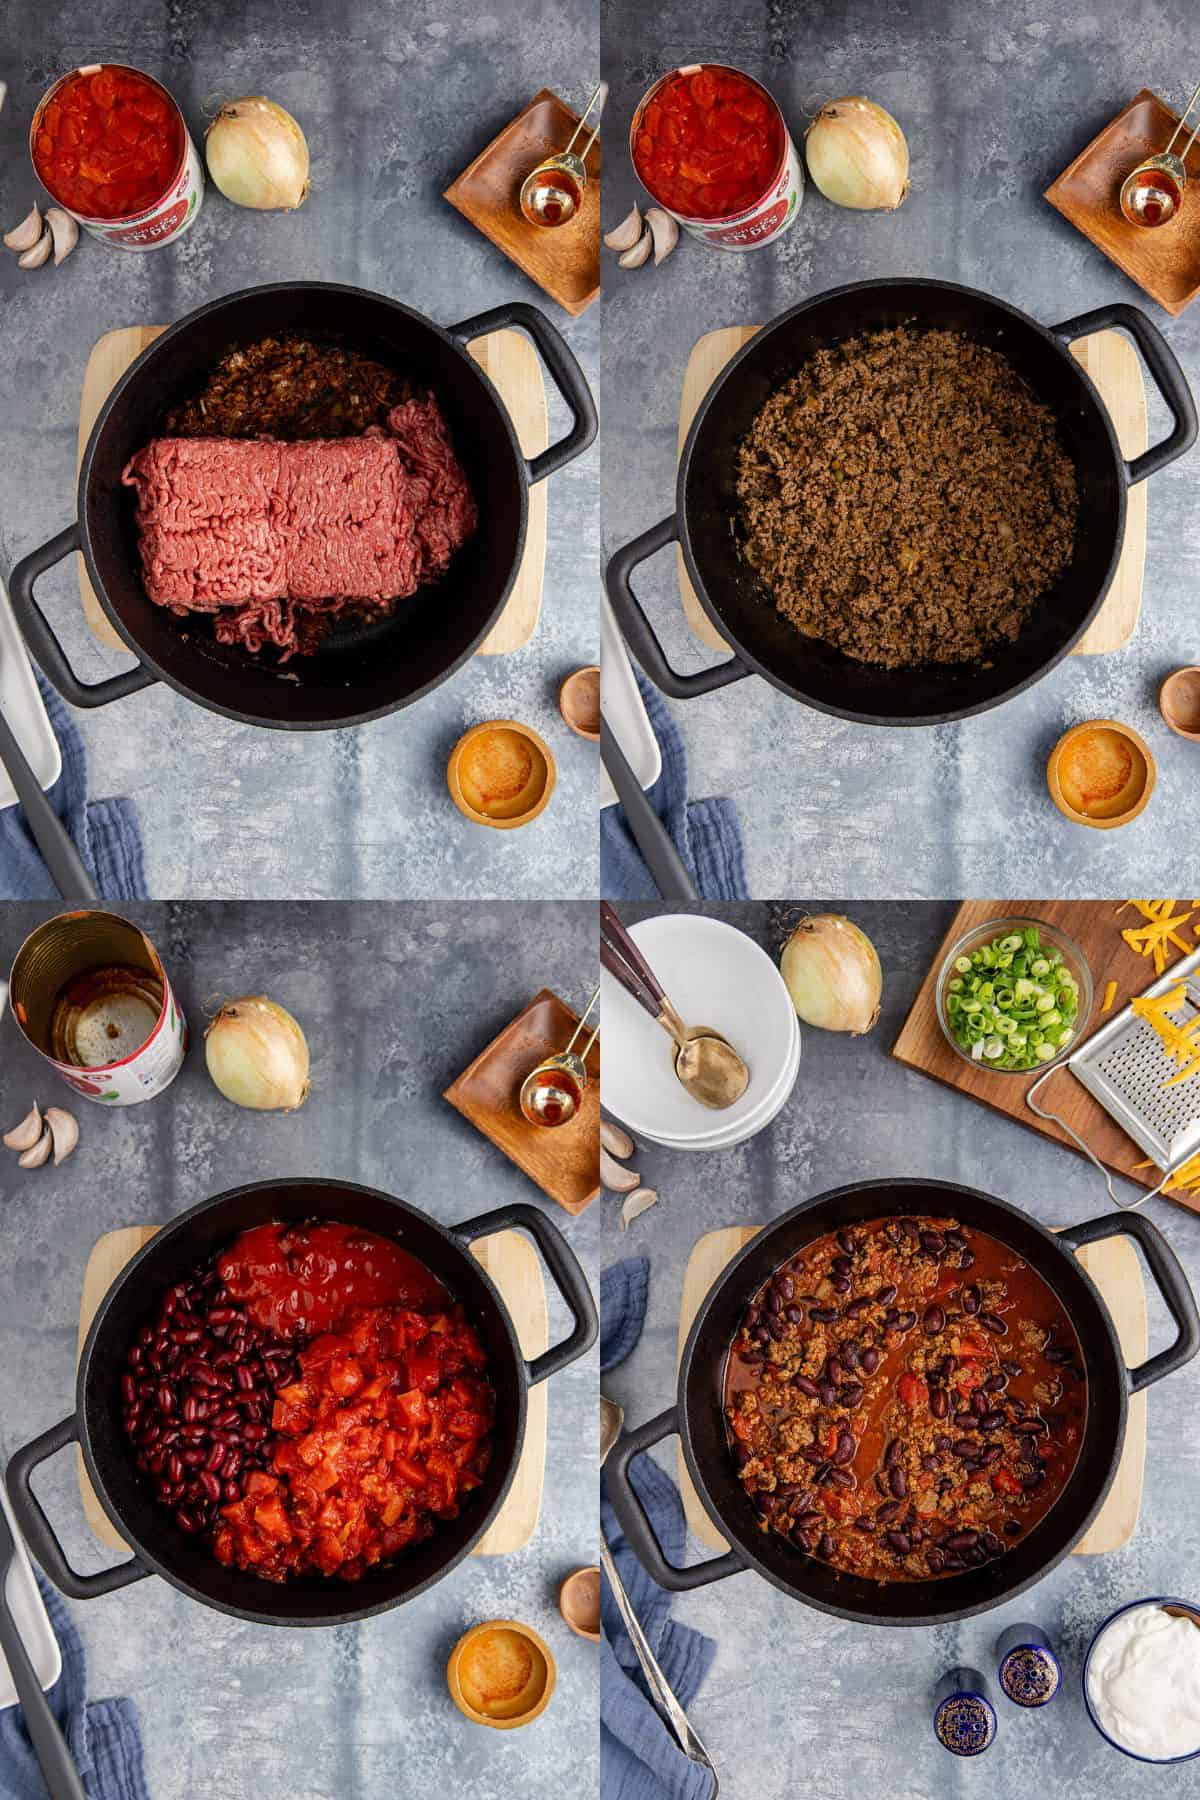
1165, 261
565, 1161
565, 262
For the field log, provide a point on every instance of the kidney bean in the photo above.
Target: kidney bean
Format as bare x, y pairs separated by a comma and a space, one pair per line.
850, 1354
991, 1454
906, 1321
850, 1394
1011, 1369
777, 1327
1012, 1528
933, 1320
991, 1543
774, 1301
891, 1317
965, 1447
805, 1384
893, 1453
1057, 1353
965, 1417
864, 1522
846, 1241
885, 1295
858, 1306
939, 1402
994, 1323
843, 1478
825, 1546
929, 1463
834, 1371
794, 1315
211, 1486
933, 1243
823, 1315
812, 1453
979, 1403
840, 1266
966, 1258
898, 1482
827, 1392
870, 1360
175, 1467
844, 1449
806, 1521
995, 1384
1033, 1480
935, 1560
786, 1286
899, 1541
955, 1238
840, 1284
991, 1421
961, 1540
882, 1483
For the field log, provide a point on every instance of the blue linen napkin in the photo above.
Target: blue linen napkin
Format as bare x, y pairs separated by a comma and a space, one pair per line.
104, 1736
105, 832
639, 1758
706, 833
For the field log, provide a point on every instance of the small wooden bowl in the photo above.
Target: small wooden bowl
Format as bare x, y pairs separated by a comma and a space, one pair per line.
501, 773
1179, 701
579, 1602
501, 1674
1101, 773
579, 702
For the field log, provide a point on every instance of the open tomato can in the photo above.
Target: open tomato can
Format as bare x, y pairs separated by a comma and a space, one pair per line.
711, 147
90, 994
111, 147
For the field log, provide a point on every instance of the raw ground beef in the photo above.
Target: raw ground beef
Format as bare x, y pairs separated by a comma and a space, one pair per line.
265, 534
907, 499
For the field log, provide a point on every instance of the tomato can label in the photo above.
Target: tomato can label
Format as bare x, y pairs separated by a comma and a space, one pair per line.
88, 983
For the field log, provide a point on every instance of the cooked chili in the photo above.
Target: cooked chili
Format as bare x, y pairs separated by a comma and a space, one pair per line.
905, 1398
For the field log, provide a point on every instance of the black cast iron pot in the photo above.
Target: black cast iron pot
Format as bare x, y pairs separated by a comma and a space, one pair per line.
359, 672
158, 1545
698, 1414
742, 610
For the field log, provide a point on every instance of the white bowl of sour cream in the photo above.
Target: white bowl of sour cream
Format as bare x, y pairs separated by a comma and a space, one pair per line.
1141, 1680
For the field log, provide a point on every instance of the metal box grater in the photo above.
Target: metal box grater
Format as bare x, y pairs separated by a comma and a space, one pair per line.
1123, 1066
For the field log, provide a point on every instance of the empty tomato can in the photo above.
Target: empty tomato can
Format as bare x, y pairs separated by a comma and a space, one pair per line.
110, 144
711, 147
90, 993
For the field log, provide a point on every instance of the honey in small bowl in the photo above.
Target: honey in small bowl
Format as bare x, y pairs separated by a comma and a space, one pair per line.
1101, 773
501, 773
501, 1674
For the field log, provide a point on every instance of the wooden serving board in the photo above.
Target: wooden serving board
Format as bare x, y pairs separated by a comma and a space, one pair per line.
511, 363
1112, 363
512, 1263
1095, 926
1114, 1268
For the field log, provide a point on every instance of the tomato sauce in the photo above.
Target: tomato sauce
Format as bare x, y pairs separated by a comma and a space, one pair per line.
108, 142
309, 1278
708, 143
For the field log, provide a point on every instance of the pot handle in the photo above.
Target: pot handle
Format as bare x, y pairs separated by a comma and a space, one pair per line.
563, 1265
37, 632
38, 1531
635, 1521
640, 634
565, 371
1169, 1279
1163, 365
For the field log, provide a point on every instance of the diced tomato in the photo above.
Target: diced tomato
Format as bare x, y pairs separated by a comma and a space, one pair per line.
1005, 1482
911, 1390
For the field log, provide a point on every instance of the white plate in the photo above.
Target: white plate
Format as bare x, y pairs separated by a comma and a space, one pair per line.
749, 1130
624, 708
22, 706
29, 1611
716, 976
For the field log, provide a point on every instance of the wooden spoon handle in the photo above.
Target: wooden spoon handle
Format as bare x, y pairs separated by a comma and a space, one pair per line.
622, 973
611, 925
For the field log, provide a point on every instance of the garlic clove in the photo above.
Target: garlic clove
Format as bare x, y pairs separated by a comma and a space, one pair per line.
40, 1153
33, 259
64, 1132
613, 1176
640, 1201
65, 233
27, 234
25, 1135
625, 235
633, 259
616, 1141
663, 230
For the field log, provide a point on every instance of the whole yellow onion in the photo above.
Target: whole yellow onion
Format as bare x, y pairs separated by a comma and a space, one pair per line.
857, 155
257, 1055
832, 973
257, 155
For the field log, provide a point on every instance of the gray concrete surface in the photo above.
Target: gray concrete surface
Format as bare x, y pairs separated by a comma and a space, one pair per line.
996, 100
396, 99
797, 1701
395, 1002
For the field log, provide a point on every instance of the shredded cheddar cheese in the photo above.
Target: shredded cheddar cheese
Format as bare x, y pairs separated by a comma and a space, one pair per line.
1181, 1042
1161, 929
1186, 1180
1110, 994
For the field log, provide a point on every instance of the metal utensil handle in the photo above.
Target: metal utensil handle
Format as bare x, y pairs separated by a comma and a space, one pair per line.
640, 634
611, 926
660, 1688
40, 1535
50, 1747
564, 1267
1182, 123
1165, 371
1053, 1118
583, 1019
48, 831
1169, 1279
666, 866
599, 93
37, 632
565, 372
635, 1521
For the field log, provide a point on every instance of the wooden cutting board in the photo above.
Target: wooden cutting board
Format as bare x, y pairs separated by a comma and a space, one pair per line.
1112, 363
512, 1263
1095, 926
1114, 1268
511, 363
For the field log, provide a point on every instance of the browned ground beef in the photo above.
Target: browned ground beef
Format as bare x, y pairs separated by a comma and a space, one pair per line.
301, 483
906, 499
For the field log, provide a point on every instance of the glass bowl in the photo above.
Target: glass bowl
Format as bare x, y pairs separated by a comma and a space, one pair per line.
974, 939
1161, 1600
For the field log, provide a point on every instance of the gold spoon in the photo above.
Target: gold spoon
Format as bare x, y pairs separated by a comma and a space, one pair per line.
552, 1092
552, 193
1152, 193
706, 1064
